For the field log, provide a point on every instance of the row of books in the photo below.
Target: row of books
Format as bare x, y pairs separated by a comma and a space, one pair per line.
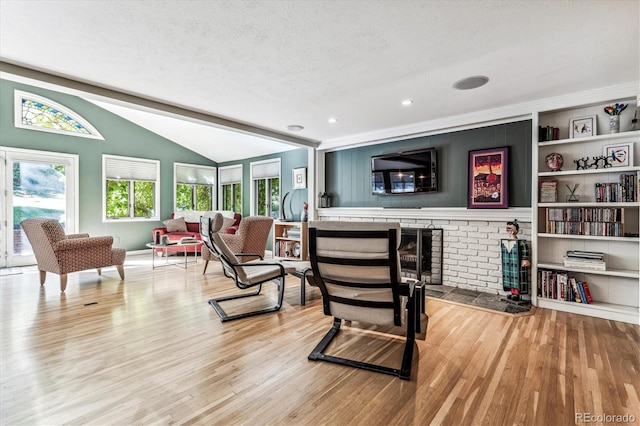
294, 232
548, 133
587, 214
284, 248
560, 286
626, 190
603, 229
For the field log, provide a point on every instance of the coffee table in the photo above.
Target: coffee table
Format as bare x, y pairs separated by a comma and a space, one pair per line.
164, 248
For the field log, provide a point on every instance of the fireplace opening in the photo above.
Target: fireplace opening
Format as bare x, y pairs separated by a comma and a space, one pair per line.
421, 254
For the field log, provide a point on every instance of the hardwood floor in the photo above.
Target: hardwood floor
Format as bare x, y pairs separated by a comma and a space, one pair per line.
152, 351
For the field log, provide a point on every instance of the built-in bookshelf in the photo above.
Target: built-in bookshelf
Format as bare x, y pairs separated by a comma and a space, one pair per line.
589, 207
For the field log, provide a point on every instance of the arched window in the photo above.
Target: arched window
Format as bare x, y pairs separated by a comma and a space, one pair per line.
38, 113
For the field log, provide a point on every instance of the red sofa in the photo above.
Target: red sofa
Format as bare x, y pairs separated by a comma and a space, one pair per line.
192, 230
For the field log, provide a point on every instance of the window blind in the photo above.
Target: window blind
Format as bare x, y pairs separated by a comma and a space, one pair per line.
126, 168
195, 174
265, 169
231, 174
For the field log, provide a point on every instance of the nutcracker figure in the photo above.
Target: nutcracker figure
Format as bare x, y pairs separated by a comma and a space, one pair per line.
516, 263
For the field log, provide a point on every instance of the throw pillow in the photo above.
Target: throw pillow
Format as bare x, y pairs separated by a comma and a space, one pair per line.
176, 225
227, 222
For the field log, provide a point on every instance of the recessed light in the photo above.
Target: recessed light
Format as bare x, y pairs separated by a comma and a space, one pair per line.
294, 127
333, 120
407, 102
471, 82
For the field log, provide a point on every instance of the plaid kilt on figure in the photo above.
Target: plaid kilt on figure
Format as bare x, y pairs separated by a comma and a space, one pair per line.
514, 275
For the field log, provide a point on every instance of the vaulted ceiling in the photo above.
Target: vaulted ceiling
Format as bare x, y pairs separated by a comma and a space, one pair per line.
263, 65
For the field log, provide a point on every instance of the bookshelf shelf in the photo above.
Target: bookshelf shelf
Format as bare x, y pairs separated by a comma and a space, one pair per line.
609, 272
616, 291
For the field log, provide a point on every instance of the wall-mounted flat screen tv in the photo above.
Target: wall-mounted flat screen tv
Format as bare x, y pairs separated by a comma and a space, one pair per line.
407, 172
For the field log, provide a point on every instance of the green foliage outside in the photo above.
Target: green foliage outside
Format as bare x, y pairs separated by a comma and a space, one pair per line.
21, 213
204, 197
117, 198
184, 197
143, 196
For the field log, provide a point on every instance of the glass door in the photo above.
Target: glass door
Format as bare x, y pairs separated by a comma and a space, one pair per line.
35, 184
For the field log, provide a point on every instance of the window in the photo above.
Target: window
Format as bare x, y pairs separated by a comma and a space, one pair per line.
194, 187
39, 113
131, 188
231, 188
265, 188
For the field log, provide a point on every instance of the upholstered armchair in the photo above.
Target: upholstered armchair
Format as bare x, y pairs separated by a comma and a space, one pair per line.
251, 238
61, 254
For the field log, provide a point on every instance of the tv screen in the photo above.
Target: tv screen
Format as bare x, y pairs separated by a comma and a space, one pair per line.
408, 172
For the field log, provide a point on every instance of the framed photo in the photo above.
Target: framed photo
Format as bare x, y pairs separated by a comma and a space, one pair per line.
619, 155
299, 178
582, 127
488, 184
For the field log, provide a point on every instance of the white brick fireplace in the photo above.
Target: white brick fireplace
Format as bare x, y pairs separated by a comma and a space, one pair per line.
471, 238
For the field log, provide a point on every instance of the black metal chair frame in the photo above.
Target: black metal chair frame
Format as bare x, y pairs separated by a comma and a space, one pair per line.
414, 305
227, 264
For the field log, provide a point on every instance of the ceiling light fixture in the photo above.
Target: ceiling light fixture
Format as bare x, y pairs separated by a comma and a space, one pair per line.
333, 120
471, 82
407, 102
294, 127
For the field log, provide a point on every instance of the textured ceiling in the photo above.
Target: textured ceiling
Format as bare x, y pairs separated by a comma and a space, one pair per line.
274, 63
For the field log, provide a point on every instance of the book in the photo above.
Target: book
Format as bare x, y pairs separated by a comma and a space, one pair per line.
576, 292
587, 292
583, 297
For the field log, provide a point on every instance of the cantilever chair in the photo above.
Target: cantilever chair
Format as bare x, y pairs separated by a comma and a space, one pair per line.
250, 238
246, 275
356, 265
59, 253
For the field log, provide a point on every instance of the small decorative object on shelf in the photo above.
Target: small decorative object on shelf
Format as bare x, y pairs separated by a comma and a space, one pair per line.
304, 217
634, 122
573, 197
554, 161
614, 116
619, 155
285, 234
325, 200
583, 127
582, 163
599, 161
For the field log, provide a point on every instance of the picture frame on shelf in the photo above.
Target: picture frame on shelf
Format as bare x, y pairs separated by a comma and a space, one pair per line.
299, 178
583, 127
488, 179
618, 155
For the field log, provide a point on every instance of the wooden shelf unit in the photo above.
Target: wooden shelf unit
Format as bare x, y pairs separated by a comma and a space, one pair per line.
286, 247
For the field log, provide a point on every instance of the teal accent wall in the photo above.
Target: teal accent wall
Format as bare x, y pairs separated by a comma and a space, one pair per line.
121, 138
348, 172
289, 160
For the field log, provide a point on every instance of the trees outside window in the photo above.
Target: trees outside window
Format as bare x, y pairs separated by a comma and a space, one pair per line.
131, 189
265, 195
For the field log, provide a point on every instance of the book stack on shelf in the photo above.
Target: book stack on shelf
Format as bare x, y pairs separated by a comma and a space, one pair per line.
294, 233
548, 133
549, 191
626, 190
595, 221
585, 260
560, 286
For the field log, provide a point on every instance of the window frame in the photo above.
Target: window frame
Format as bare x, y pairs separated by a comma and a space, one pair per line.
214, 196
18, 95
156, 194
223, 180
254, 183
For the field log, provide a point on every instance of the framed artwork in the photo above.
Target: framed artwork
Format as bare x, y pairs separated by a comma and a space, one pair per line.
618, 155
488, 184
582, 127
299, 178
